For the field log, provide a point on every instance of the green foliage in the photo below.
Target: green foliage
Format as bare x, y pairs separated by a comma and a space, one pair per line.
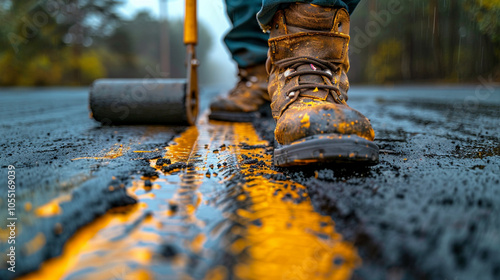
427, 40
46, 42
50, 69
43, 43
384, 63
487, 14
135, 45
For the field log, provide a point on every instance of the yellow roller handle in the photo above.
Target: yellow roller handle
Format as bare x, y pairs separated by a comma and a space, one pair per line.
190, 24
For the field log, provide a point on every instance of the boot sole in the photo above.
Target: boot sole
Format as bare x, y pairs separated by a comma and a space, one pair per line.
233, 116
228, 116
327, 148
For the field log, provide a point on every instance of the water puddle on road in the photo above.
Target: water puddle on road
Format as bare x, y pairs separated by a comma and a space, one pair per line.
217, 211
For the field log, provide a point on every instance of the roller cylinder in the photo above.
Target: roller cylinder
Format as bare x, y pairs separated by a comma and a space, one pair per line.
142, 101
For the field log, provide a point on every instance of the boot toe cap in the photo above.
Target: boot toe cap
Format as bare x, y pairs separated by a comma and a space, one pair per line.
321, 118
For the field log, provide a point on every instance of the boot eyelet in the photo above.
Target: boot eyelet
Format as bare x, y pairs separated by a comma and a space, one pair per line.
248, 84
253, 79
291, 94
288, 72
328, 71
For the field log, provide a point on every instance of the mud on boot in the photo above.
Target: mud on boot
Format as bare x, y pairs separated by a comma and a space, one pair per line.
247, 101
308, 85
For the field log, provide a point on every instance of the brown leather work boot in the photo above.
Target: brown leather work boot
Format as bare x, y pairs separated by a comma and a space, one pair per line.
248, 100
308, 85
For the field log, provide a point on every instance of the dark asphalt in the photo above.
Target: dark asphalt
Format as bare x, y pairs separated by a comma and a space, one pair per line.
429, 210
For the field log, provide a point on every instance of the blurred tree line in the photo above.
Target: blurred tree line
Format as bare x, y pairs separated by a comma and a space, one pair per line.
425, 40
74, 42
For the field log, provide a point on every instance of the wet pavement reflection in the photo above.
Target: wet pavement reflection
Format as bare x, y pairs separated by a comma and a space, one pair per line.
217, 210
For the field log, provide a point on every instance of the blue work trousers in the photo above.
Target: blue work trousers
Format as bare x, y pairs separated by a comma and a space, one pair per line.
246, 41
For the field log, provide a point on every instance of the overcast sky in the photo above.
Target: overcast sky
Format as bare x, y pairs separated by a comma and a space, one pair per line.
211, 12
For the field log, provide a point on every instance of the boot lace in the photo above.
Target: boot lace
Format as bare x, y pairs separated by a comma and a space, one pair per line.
319, 67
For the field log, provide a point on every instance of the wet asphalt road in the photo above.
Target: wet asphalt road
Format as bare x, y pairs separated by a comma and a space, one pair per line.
429, 210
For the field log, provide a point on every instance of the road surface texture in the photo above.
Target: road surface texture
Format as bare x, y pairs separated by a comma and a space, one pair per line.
205, 202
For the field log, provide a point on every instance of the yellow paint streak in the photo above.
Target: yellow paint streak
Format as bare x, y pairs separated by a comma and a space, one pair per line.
309, 103
286, 243
181, 151
305, 121
52, 208
197, 243
109, 234
79, 252
55, 268
113, 153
